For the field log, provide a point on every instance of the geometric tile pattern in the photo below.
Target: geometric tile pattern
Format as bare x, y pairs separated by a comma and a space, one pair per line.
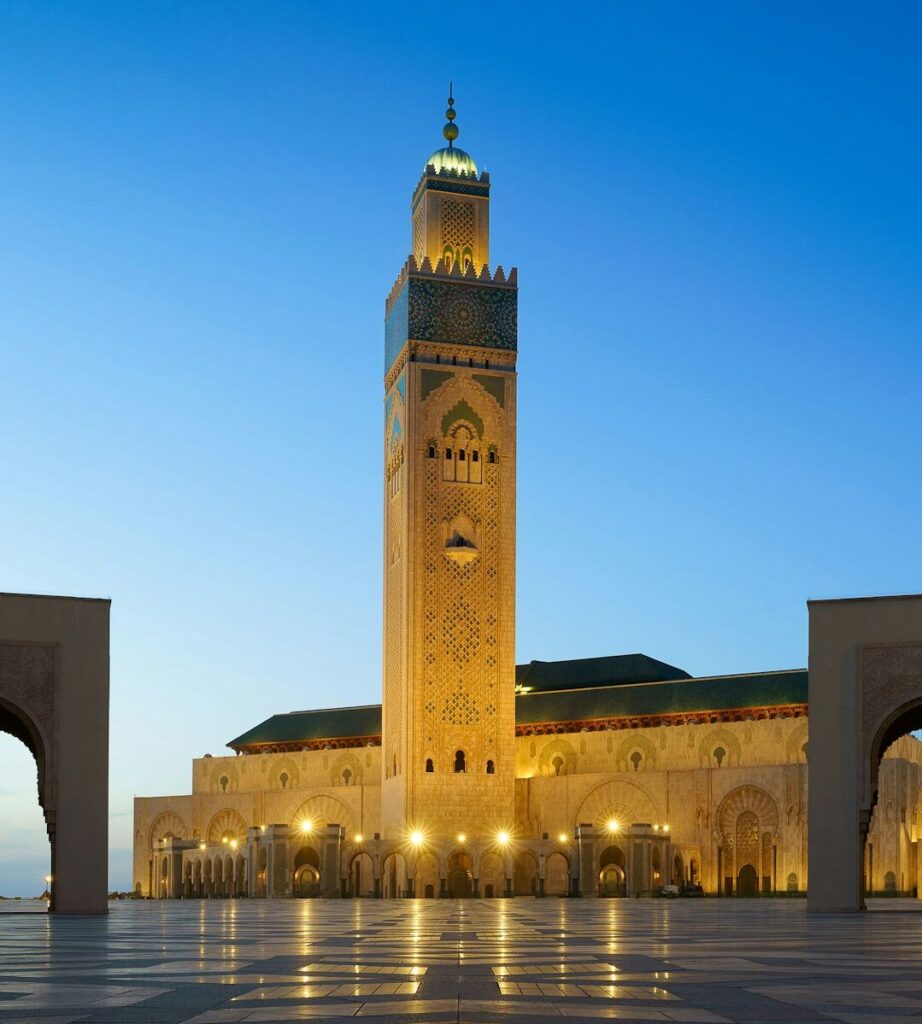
220, 962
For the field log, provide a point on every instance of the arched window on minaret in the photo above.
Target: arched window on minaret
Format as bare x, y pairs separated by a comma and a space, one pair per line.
491, 768
430, 767
460, 767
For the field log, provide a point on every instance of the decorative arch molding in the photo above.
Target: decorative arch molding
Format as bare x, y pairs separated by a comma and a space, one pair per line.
742, 800
323, 810
719, 738
618, 800
394, 416
168, 824
287, 766
219, 773
460, 398
561, 750
226, 824
347, 762
462, 413
635, 744
795, 742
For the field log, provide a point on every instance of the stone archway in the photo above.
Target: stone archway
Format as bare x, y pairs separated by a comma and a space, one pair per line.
865, 680
54, 697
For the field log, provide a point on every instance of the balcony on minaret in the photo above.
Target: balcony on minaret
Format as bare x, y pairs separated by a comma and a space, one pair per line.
462, 542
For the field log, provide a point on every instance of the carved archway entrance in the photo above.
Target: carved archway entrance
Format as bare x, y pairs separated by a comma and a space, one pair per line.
54, 697
865, 679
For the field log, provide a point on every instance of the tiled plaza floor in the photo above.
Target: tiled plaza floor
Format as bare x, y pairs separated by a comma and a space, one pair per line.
219, 962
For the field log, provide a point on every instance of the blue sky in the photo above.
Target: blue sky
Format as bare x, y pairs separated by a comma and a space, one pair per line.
714, 210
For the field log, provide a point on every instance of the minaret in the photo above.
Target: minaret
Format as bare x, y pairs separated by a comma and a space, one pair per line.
449, 516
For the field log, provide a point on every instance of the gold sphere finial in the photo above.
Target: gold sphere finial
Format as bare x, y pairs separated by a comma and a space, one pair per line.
450, 131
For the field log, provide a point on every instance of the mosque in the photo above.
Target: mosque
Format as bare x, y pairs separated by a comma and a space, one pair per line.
607, 776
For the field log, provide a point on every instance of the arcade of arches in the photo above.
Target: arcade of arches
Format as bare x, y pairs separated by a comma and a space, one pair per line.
738, 829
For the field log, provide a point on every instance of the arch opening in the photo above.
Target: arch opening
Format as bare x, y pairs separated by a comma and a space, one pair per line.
22, 764
306, 875
612, 874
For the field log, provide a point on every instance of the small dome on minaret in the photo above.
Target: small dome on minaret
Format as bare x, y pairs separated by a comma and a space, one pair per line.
450, 158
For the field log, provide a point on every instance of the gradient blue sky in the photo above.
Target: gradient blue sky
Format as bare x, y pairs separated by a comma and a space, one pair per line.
715, 213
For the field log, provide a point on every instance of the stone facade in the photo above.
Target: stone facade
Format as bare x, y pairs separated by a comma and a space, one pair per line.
707, 791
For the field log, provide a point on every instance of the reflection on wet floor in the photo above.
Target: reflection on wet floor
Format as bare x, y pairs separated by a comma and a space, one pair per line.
220, 962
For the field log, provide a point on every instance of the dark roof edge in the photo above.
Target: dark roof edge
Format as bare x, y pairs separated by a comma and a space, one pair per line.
321, 711
664, 682
873, 597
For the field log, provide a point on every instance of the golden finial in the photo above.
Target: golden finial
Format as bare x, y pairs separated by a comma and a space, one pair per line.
450, 131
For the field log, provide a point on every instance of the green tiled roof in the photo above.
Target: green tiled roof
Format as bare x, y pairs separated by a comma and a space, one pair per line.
709, 693
579, 673
555, 704
304, 726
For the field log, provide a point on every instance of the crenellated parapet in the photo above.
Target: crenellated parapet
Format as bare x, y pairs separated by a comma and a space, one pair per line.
448, 271
450, 180
447, 305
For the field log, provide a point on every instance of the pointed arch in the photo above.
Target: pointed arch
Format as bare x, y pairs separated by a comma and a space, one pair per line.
727, 741
345, 763
168, 825
631, 744
557, 758
742, 800
620, 801
795, 743
226, 824
323, 810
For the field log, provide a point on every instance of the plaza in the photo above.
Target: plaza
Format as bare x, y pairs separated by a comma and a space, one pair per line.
222, 962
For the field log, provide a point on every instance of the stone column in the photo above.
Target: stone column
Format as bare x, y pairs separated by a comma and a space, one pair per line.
331, 861
252, 858
587, 861
278, 869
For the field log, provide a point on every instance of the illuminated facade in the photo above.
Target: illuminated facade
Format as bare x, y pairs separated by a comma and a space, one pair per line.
606, 776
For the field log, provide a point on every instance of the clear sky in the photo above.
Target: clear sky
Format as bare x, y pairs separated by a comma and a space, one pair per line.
715, 213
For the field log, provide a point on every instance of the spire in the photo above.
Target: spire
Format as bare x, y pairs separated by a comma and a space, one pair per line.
450, 131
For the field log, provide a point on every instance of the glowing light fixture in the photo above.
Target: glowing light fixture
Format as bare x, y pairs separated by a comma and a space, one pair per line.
223, 839
416, 837
359, 837
202, 846
461, 838
502, 838
47, 879
306, 827
665, 828
612, 825
234, 844
562, 837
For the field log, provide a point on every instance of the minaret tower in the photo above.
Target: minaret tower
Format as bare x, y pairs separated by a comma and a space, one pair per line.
449, 516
